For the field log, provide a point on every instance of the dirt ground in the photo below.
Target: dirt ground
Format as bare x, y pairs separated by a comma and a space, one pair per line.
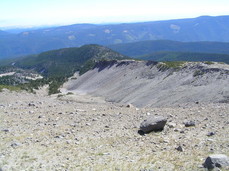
80, 132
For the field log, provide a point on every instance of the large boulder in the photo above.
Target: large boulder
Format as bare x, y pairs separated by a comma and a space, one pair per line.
153, 123
216, 160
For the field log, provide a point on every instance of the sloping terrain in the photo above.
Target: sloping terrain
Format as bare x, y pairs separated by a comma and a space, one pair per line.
203, 28
155, 84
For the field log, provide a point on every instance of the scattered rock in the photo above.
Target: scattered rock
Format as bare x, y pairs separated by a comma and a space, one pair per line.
179, 148
15, 144
31, 104
130, 106
153, 123
182, 131
171, 125
210, 134
216, 160
5, 130
189, 123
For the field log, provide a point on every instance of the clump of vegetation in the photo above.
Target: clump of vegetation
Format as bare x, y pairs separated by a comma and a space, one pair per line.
208, 62
11, 88
70, 93
170, 65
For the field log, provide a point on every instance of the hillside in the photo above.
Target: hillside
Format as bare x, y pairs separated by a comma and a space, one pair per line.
151, 84
204, 28
55, 66
64, 62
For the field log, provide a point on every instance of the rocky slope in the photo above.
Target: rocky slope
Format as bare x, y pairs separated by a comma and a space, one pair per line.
155, 84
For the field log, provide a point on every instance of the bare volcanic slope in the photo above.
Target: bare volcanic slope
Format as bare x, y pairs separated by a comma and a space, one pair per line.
147, 84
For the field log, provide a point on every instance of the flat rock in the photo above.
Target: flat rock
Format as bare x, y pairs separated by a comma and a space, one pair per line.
216, 160
153, 123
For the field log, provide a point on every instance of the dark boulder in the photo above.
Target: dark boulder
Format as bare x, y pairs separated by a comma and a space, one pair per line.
153, 123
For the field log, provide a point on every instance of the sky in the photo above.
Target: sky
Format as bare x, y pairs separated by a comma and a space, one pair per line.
29, 13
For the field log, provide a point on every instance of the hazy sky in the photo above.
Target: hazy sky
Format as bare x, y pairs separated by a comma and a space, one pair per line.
58, 12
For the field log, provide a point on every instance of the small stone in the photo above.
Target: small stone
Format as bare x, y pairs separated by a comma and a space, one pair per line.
171, 125
5, 130
177, 130
179, 148
31, 104
15, 144
210, 134
189, 123
129, 105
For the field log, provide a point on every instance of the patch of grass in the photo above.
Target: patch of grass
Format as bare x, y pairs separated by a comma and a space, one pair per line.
11, 88
100, 154
163, 66
208, 62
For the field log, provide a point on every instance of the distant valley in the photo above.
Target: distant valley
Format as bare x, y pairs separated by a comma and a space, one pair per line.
203, 28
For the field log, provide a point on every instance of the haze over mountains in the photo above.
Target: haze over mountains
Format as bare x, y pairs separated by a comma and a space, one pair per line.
203, 28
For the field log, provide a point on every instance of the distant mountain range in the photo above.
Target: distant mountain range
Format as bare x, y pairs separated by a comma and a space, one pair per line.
167, 50
145, 47
203, 28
